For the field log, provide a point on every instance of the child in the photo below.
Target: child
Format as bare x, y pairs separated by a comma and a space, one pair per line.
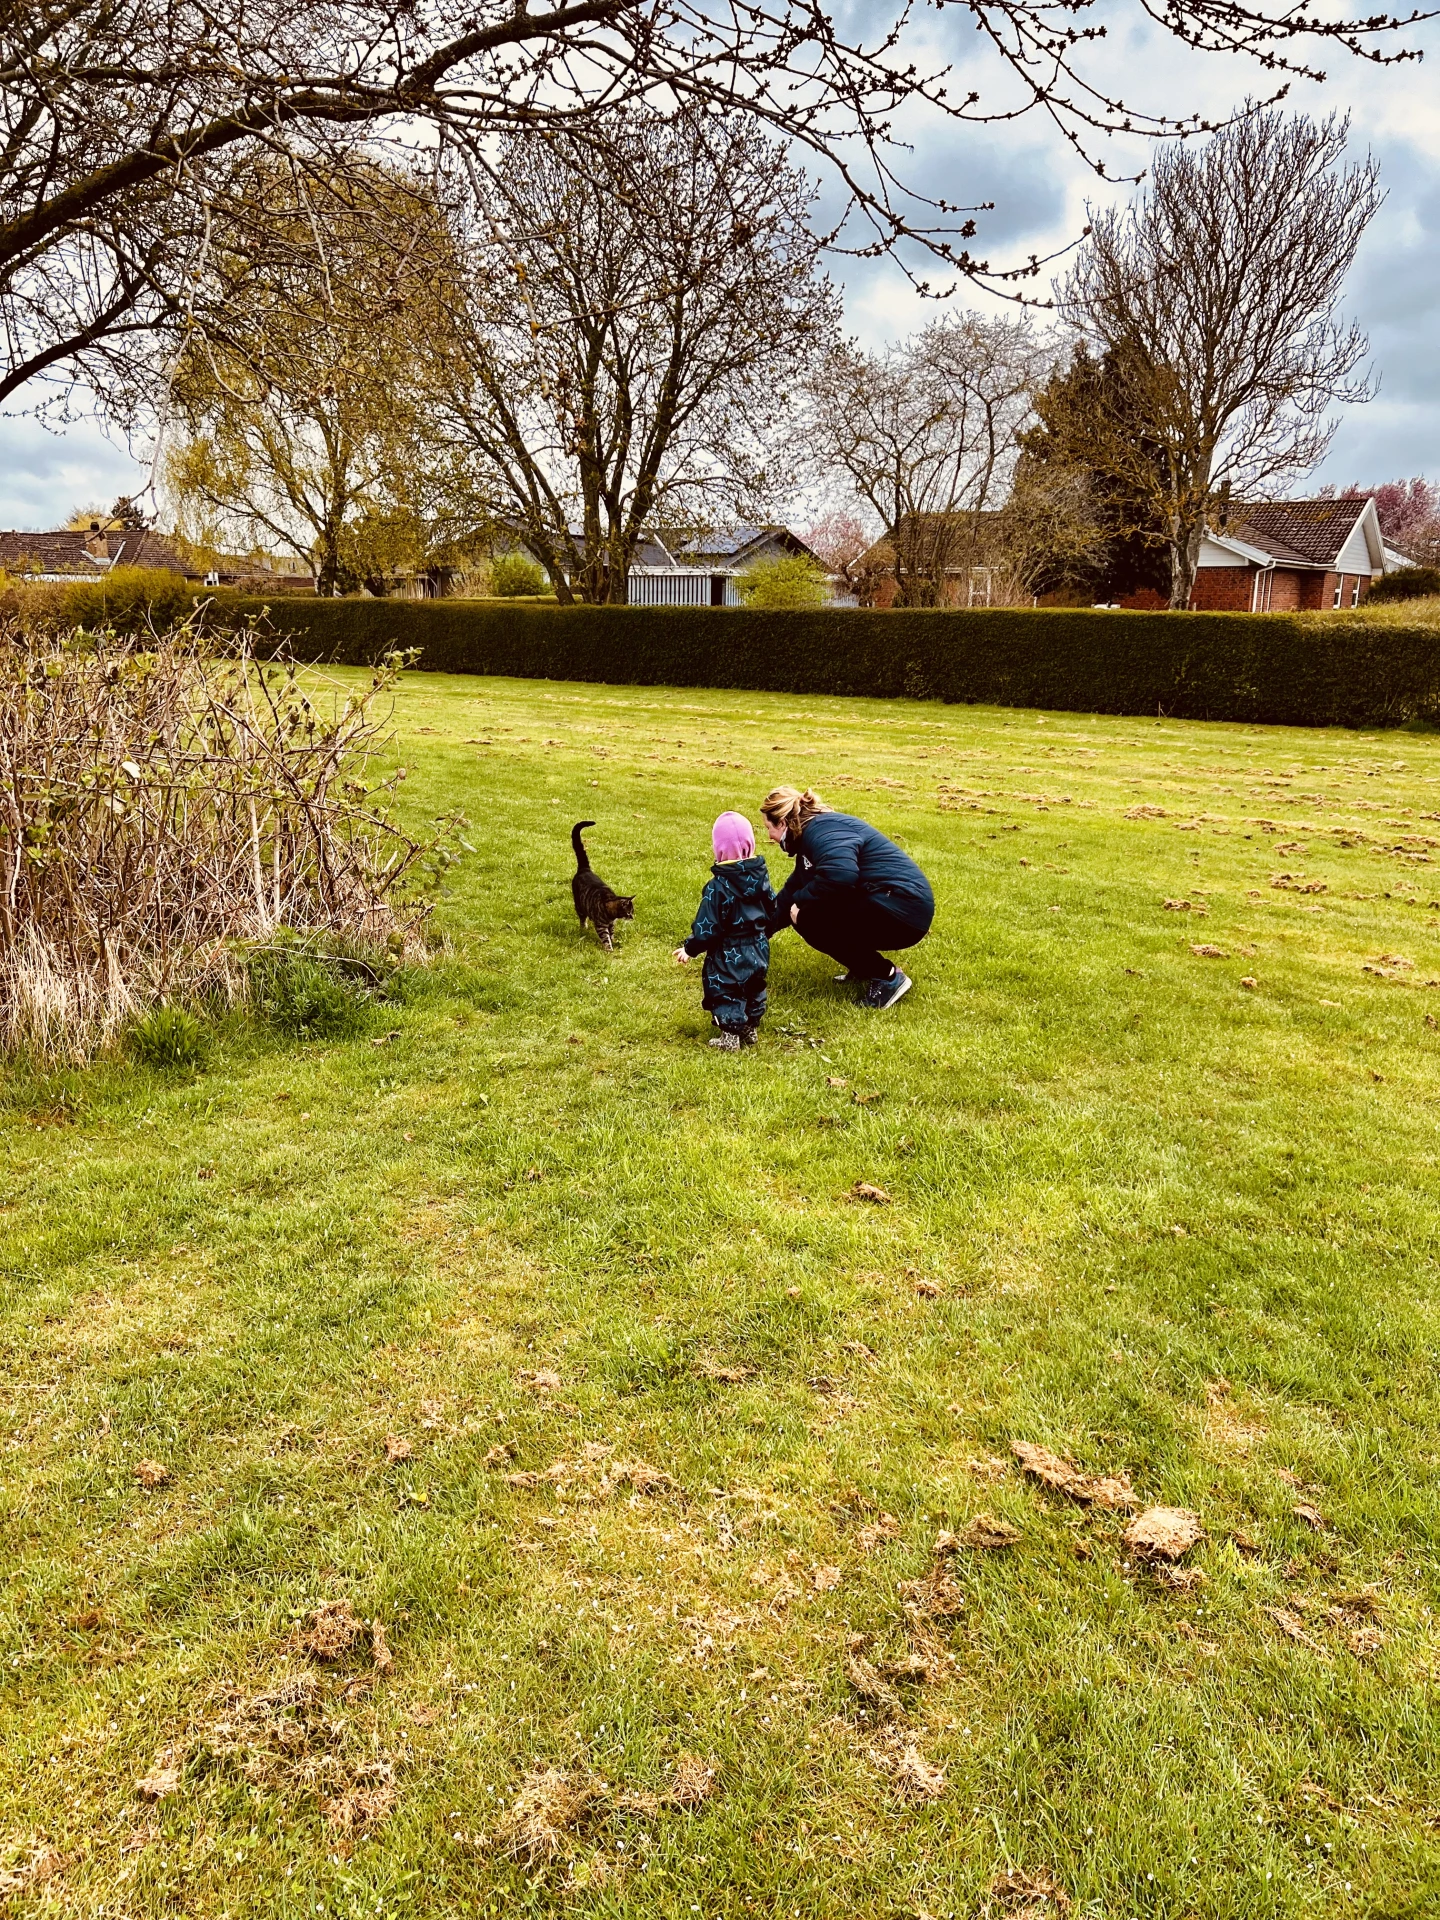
729, 930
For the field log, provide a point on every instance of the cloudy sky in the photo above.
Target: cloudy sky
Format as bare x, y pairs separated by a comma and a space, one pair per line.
1040, 189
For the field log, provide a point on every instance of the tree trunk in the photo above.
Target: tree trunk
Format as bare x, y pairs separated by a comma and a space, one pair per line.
327, 573
1184, 559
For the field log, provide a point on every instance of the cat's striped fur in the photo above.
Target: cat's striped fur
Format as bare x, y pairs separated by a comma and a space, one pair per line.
594, 901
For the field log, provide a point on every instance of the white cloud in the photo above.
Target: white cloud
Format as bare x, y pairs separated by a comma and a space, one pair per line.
44, 476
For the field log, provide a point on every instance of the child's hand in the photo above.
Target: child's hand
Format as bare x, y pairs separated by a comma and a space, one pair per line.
682, 956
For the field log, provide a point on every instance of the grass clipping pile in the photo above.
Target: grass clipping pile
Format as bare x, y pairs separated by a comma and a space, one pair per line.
554, 1807
305, 1735
167, 804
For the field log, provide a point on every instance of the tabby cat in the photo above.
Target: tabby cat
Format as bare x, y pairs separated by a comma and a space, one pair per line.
594, 901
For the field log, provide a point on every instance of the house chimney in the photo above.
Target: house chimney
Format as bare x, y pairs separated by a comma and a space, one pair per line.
1224, 498
95, 542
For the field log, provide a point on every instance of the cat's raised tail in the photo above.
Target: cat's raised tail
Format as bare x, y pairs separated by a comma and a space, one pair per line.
582, 859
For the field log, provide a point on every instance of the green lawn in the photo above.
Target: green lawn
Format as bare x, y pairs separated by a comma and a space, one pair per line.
1169, 1215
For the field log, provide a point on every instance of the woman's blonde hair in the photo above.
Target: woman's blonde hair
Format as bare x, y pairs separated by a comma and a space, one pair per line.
789, 808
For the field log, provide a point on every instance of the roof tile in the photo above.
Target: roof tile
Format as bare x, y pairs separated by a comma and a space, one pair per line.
1302, 532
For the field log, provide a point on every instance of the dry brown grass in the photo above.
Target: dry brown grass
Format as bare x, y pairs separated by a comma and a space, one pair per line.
550, 1806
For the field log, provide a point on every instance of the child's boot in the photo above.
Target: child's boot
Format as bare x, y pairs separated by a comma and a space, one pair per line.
726, 1041
748, 1036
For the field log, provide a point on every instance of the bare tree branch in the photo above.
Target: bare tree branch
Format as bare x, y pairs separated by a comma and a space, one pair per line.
114, 112
927, 436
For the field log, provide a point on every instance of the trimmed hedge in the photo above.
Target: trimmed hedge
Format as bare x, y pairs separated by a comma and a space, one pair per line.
1407, 583
1270, 668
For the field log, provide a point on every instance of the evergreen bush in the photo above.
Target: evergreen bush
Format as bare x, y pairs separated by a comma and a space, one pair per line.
790, 581
514, 575
1408, 583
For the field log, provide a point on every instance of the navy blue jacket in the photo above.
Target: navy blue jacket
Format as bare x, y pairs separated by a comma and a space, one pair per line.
732, 924
837, 854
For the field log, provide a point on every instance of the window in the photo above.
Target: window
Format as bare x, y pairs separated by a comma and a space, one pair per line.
1339, 589
1355, 592
979, 586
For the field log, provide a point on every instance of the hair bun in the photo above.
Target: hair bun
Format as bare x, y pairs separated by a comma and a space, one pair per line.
792, 809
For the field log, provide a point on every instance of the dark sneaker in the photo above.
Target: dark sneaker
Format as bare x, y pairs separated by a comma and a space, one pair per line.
748, 1036
727, 1042
879, 994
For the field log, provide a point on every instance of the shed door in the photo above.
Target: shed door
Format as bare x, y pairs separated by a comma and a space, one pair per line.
717, 589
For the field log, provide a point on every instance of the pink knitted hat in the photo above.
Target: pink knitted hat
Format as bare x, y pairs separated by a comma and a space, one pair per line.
732, 837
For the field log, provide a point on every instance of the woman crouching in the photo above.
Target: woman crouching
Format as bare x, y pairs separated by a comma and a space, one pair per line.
853, 893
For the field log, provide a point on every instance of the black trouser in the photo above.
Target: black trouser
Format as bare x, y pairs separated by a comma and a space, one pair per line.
853, 927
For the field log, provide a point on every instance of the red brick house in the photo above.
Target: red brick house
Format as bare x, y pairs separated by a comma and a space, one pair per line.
960, 553
1290, 556
1275, 556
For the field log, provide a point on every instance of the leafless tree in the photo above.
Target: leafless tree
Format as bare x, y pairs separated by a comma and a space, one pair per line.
926, 435
113, 113
1051, 533
632, 299
1213, 299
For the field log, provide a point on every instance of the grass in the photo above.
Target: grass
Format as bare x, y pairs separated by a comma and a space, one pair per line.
1163, 1222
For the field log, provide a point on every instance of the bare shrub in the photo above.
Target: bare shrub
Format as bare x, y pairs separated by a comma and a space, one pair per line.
166, 813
